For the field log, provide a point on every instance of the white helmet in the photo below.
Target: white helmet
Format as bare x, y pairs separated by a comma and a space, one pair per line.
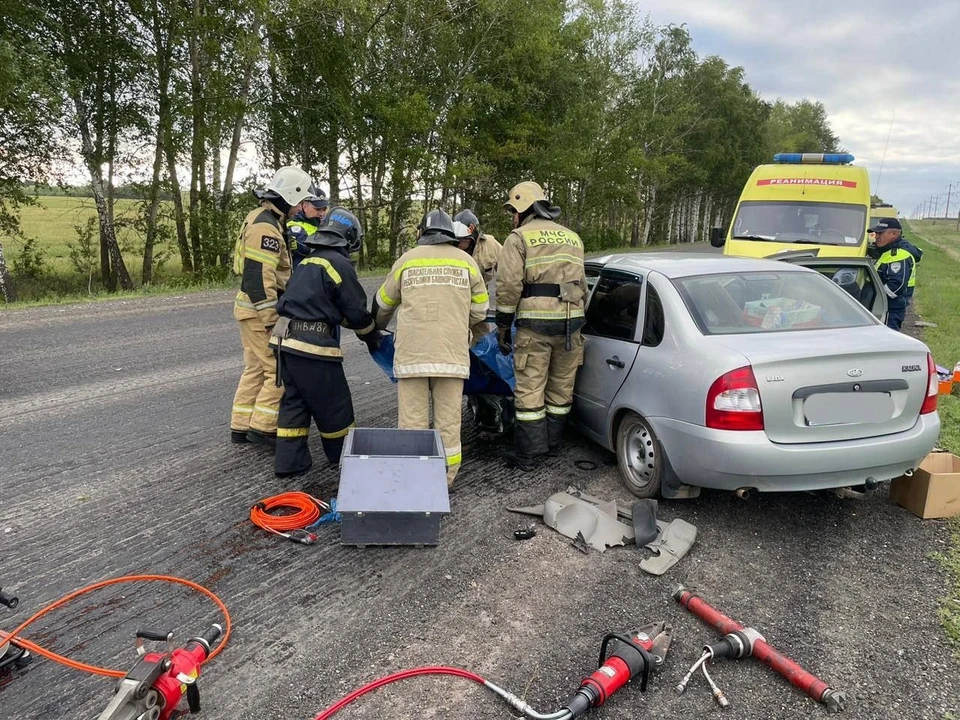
460, 230
291, 184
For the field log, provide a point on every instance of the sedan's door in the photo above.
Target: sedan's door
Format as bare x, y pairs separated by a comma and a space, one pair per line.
610, 347
858, 276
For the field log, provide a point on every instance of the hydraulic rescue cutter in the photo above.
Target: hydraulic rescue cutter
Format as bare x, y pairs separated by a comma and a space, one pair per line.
155, 686
11, 654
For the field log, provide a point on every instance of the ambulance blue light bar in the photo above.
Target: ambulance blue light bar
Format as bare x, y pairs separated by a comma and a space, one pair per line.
814, 158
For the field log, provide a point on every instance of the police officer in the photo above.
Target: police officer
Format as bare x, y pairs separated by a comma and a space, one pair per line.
303, 225
323, 294
438, 294
262, 259
541, 286
484, 248
896, 264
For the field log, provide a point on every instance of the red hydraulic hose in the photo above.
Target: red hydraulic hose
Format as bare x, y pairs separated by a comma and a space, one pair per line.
798, 677
405, 674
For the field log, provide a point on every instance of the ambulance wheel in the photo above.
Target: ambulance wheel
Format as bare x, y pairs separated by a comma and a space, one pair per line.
638, 456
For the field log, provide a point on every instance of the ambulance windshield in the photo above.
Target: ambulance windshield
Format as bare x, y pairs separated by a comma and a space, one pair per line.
803, 223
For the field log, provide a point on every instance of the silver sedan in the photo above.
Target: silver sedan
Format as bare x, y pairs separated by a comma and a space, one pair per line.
743, 374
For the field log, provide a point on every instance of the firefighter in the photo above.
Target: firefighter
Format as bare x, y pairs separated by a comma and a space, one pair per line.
262, 259
541, 286
304, 224
324, 293
438, 294
484, 248
897, 261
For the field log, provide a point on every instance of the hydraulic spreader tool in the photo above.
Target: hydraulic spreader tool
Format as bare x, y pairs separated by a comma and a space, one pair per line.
11, 654
740, 642
622, 658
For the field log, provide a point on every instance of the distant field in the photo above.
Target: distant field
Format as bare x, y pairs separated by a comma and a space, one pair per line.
52, 222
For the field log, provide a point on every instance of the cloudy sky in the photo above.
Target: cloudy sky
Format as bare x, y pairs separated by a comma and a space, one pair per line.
866, 61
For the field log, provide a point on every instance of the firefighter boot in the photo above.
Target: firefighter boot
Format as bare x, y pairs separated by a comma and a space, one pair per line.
529, 443
555, 428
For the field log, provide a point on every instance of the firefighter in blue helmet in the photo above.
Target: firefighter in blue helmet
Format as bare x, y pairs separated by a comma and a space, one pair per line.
304, 223
322, 295
897, 262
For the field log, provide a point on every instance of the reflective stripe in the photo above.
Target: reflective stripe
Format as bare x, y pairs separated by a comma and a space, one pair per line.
265, 258
432, 370
321, 350
531, 262
387, 300
559, 409
293, 432
507, 309
479, 298
241, 302
531, 415
243, 409
265, 304
368, 329
325, 264
454, 459
890, 293
338, 433
549, 314
435, 262
265, 410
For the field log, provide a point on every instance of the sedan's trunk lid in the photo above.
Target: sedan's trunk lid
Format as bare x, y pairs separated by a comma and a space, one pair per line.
831, 385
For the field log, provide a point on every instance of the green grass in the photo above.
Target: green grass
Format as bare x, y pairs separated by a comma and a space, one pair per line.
938, 301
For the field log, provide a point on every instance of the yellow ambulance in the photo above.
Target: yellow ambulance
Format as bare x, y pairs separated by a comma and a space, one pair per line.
880, 211
803, 201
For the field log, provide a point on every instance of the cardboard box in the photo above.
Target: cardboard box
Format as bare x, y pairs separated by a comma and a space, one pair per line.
934, 489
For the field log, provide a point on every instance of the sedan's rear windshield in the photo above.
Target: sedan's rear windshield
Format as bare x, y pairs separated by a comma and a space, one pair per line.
754, 302
805, 223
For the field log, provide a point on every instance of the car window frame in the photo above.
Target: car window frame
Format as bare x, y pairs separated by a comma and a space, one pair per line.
642, 280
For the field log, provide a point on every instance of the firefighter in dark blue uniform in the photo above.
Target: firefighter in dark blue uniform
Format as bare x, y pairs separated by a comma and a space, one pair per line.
304, 223
897, 262
323, 294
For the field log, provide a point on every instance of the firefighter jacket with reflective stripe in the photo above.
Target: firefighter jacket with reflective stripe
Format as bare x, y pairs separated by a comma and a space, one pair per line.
323, 294
262, 260
538, 259
438, 294
486, 254
896, 269
297, 233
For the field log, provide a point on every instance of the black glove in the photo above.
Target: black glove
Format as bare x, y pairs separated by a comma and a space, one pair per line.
504, 340
372, 339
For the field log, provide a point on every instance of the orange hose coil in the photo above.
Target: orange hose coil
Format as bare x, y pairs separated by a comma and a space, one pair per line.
93, 669
307, 512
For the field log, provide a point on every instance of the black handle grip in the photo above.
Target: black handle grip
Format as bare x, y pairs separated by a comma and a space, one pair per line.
616, 362
9, 600
155, 635
211, 635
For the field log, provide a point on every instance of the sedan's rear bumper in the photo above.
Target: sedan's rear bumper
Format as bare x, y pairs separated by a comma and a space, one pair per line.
728, 460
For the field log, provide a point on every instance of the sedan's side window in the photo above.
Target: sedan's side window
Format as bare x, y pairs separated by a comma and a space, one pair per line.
653, 320
614, 307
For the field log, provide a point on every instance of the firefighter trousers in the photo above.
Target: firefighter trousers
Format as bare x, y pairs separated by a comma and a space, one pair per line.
545, 373
413, 398
256, 404
317, 390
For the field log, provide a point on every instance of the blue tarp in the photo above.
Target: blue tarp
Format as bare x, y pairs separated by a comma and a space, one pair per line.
491, 373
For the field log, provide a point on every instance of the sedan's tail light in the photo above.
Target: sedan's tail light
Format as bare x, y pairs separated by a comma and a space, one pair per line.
933, 388
733, 402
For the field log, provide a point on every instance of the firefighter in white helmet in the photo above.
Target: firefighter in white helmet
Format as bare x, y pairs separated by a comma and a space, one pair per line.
262, 260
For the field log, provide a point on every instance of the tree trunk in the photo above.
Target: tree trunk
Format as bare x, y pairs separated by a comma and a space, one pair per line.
333, 165
107, 230
146, 276
198, 148
239, 120
649, 208
179, 213
6, 282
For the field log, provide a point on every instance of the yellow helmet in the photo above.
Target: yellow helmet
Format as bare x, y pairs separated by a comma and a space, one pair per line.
522, 196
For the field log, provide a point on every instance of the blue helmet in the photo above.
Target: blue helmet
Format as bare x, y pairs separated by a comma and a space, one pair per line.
340, 228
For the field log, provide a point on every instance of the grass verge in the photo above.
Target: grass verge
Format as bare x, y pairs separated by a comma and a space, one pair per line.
938, 301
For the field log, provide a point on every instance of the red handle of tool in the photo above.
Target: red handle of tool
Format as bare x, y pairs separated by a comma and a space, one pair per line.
764, 652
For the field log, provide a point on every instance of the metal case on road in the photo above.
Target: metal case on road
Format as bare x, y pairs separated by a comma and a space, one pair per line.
393, 487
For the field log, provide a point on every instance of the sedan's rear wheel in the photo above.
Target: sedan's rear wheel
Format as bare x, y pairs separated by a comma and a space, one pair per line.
638, 456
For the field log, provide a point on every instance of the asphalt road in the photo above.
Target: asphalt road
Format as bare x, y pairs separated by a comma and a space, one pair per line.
115, 459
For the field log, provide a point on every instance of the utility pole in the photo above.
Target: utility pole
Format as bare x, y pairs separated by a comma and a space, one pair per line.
946, 213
